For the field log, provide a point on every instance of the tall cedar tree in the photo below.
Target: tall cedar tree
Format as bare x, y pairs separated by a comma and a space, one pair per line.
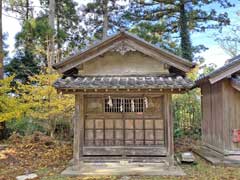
31, 47
186, 45
183, 17
2, 124
51, 20
22, 9
1, 43
156, 33
32, 41
102, 17
23, 64
69, 33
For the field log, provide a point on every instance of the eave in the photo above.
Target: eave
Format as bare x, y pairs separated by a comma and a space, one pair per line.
130, 40
225, 71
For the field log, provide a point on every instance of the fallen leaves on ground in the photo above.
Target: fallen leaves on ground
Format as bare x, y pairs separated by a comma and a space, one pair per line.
47, 157
31, 153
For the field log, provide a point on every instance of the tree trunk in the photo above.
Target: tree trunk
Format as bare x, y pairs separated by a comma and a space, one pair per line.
2, 124
51, 18
105, 18
186, 45
27, 9
1, 43
59, 46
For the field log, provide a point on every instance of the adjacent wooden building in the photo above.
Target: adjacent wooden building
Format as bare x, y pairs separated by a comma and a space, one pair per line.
123, 87
221, 109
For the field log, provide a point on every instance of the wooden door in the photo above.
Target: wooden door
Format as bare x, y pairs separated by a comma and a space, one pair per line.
124, 126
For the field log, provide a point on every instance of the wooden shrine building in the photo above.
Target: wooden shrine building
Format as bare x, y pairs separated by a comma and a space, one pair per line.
221, 109
123, 87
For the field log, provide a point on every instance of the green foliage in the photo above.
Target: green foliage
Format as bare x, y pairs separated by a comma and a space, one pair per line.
34, 38
29, 91
23, 65
22, 9
92, 17
32, 42
187, 111
67, 19
186, 44
155, 33
182, 17
69, 32
187, 114
24, 126
31, 49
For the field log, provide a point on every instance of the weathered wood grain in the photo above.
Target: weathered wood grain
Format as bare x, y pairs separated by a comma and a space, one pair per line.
125, 150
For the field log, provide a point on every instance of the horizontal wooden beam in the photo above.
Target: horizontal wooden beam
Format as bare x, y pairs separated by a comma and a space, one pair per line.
124, 150
145, 159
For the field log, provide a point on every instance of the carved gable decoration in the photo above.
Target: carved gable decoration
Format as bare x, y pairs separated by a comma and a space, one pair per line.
123, 48
123, 43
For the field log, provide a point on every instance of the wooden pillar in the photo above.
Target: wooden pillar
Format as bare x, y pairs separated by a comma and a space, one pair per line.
169, 127
78, 129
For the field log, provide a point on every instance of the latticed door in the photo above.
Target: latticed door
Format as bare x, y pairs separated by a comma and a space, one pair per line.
124, 122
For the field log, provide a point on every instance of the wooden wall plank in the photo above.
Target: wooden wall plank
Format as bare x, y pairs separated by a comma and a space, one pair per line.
169, 127
77, 138
231, 115
212, 114
221, 114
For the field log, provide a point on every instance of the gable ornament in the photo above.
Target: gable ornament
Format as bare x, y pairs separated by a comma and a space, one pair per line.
123, 48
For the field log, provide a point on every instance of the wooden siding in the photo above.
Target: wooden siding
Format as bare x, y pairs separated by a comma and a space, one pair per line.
221, 114
231, 114
212, 113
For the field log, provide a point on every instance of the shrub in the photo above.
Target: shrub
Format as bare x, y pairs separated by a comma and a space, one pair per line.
24, 126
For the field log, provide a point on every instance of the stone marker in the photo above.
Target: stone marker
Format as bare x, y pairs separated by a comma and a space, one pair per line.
187, 157
27, 176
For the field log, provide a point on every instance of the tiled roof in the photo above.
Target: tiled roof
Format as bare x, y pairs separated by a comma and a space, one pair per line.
123, 82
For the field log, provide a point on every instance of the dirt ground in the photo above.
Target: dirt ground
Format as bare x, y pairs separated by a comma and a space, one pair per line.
47, 157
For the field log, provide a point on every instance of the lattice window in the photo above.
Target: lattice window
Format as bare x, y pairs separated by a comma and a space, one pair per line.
124, 105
